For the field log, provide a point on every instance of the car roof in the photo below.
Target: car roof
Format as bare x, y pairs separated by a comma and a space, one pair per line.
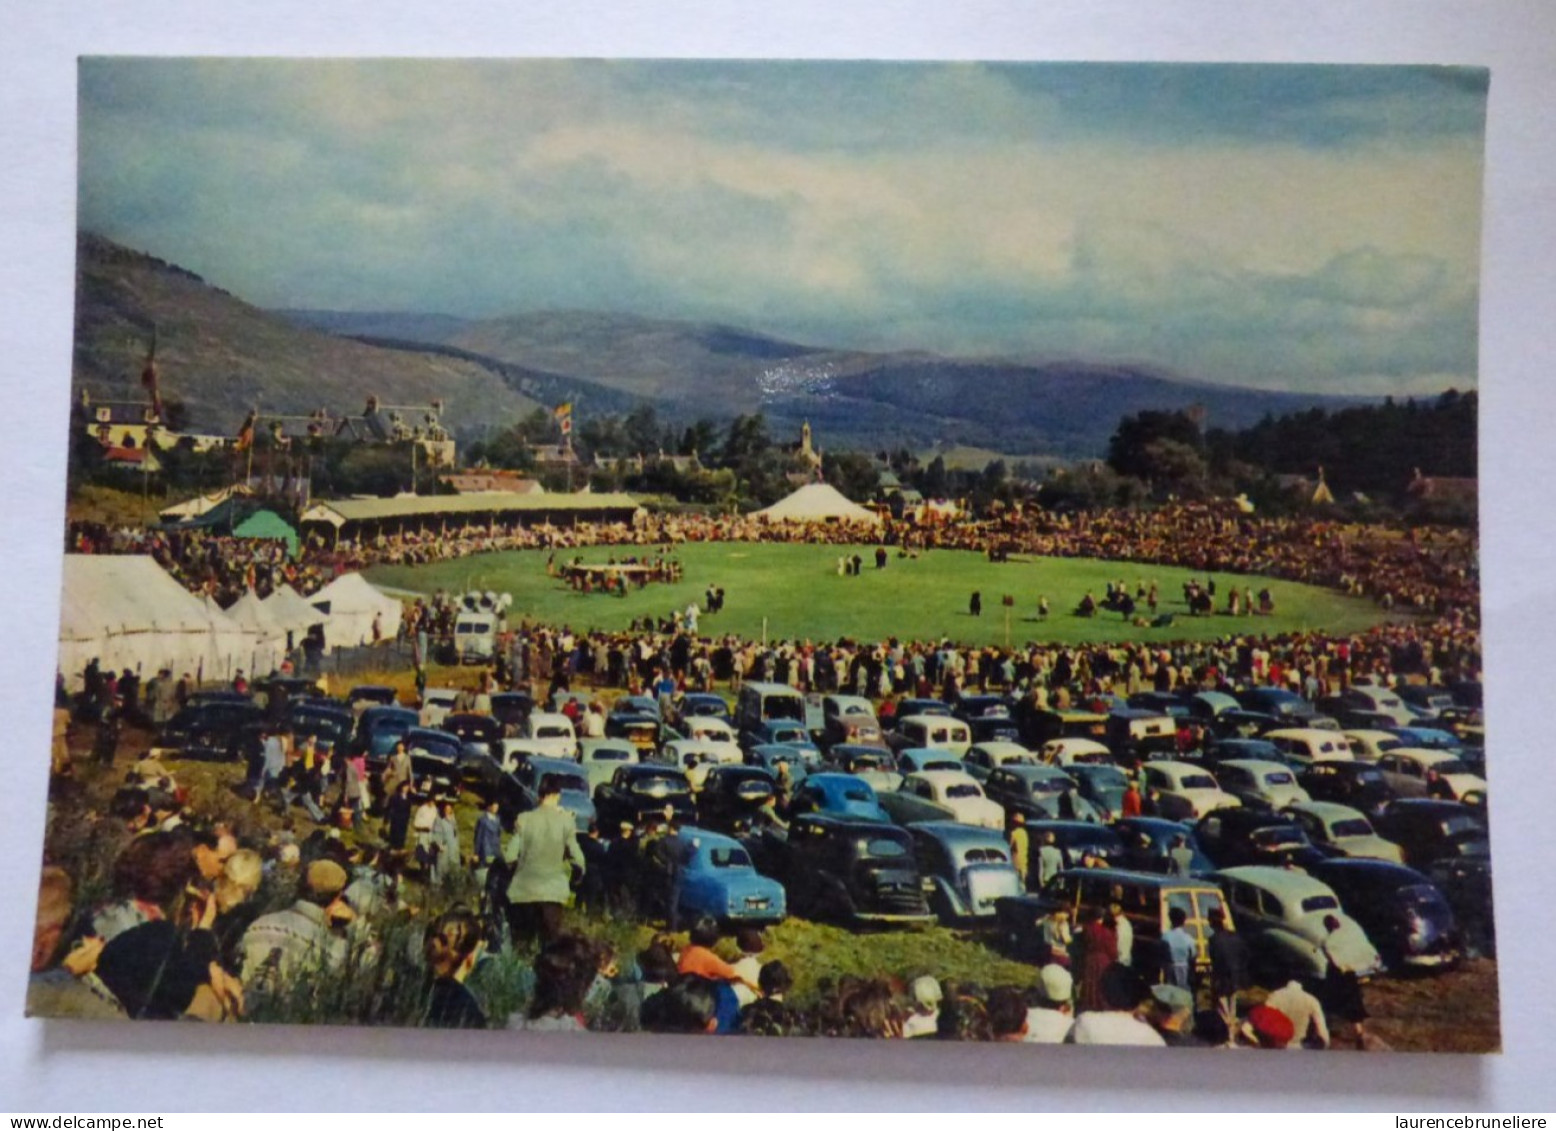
1375, 869
1424, 757
1255, 765
1278, 880
1134, 713
1140, 879
771, 688
555, 766
1372, 735
707, 838
441, 692
1178, 769
943, 777
588, 746
1328, 811
1309, 733
556, 718
933, 720
955, 832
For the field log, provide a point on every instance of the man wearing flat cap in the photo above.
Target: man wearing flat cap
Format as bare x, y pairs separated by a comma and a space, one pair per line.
303, 938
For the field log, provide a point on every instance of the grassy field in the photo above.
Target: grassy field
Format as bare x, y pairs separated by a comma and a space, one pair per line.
794, 591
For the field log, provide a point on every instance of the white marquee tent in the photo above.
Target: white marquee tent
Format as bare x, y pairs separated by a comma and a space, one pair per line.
817, 502
291, 612
126, 611
351, 603
269, 638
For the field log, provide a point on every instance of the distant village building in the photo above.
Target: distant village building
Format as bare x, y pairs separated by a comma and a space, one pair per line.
392, 424
636, 465
805, 457
483, 480
121, 426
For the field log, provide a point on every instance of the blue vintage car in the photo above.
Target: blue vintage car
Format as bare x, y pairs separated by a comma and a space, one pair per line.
381, 727
966, 869
838, 795
770, 757
715, 878
784, 732
519, 791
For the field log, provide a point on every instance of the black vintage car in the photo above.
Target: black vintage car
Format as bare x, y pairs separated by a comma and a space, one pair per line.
1235, 837
855, 872
1403, 913
1357, 784
1429, 831
215, 728
989, 718
732, 795
434, 759
511, 708
643, 789
478, 736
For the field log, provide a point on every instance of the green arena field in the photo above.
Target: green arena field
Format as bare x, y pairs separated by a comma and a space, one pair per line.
794, 592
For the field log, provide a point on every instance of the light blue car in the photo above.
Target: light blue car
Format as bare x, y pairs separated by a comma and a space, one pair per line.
715, 878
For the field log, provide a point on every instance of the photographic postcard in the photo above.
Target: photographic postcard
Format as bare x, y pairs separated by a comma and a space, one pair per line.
937, 551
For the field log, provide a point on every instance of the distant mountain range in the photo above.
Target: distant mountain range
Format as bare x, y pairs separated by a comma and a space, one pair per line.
220, 356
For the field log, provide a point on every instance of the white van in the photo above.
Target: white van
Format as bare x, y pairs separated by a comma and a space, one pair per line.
934, 732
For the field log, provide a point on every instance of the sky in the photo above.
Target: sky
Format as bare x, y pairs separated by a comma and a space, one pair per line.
1314, 228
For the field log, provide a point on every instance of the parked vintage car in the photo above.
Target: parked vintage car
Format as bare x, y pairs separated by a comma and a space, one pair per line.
1040, 726
784, 733
989, 717
919, 759
772, 756
641, 729
511, 708
479, 736
1135, 735
1357, 784
696, 757
760, 702
1234, 749
1147, 899
599, 758
715, 878
1343, 831
855, 872
1303, 746
1039, 793
437, 703
1075, 751
1103, 786
939, 731
365, 695
1184, 790
1149, 840
1427, 702
1428, 831
1282, 912
1403, 913
210, 730
553, 731
958, 791
966, 869
1380, 701
643, 790
1233, 837
840, 795
435, 757
1076, 840
327, 721
731, 795
1420, 773
712, 730
1370, 745
704, 705
1277, 701
519, 791
1258, 784
849, 719
379, 728
983, 758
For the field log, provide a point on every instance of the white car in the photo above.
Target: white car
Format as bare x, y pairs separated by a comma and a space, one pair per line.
509, 752
1344, 829
938, 731
1069, 751
681, 752
1259, 784
1370, 745
1185, 791
1306, 745
1381, 701
437, 703
552, 732
1406, 772
1282, 910
958, 792
707, 729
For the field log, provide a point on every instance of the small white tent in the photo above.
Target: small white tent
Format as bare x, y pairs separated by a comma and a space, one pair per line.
817, 502
351, 603
126, 611
291, 612
268, 645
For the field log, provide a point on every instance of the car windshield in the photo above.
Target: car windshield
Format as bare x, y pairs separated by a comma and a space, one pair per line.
942, 766
783, 707
1282, 778
1277, 837
610, 756
861, 795
985, 856
965, 790
1460, 826
729, 858
1320, 903
1049, 785
551, 732
1350, 826
1196, 781
883, 847
660, 787
565, 782
789, 734
1449, 766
